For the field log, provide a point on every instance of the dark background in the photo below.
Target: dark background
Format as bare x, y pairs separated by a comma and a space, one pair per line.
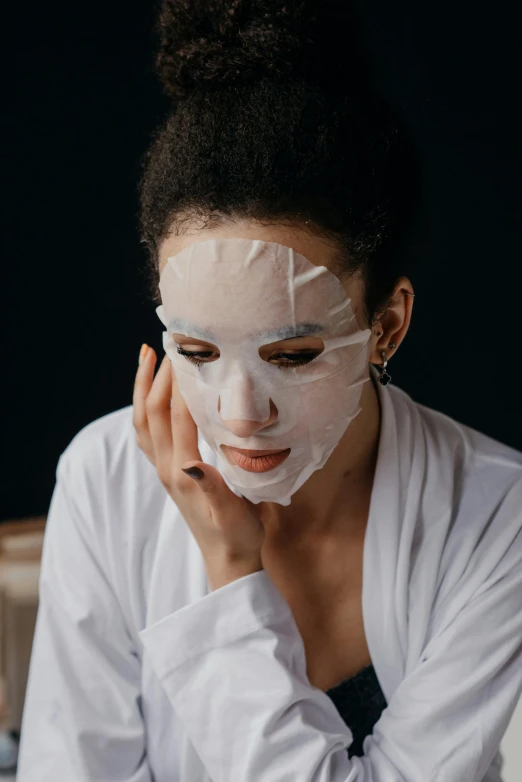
78, 106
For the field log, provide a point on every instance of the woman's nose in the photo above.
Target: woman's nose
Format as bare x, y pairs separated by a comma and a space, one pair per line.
245, 427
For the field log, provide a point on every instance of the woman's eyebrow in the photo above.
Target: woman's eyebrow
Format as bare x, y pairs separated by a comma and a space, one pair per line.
181, 326
279, 334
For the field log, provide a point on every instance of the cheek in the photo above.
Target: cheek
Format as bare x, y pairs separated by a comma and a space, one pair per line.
322, 402
325, 408
190, 391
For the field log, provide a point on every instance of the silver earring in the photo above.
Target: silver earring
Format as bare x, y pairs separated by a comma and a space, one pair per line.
392, 345
385, 377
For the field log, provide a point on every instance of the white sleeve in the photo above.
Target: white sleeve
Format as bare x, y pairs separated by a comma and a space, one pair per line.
233, 667
81, 720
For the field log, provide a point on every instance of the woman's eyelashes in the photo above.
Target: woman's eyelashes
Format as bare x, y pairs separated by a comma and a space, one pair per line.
290, 360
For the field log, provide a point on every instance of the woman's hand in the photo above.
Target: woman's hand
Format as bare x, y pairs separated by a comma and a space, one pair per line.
227, 528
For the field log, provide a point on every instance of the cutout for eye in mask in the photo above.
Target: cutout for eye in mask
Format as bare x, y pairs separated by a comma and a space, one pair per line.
241, 295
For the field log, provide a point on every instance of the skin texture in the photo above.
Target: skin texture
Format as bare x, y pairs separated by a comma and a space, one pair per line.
339, 493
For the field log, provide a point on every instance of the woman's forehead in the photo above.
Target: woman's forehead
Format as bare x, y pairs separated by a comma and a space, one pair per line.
241, 290
249, 279
299, 238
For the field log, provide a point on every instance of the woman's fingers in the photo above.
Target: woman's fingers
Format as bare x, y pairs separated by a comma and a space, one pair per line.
184, 430
146, 401
157, 407
142, 385
165, 430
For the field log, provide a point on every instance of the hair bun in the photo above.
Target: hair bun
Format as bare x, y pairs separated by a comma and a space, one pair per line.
206, 44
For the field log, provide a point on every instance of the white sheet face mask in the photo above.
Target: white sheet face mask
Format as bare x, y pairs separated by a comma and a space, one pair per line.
240, 295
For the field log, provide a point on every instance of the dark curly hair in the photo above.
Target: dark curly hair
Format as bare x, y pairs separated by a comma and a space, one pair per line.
274, 120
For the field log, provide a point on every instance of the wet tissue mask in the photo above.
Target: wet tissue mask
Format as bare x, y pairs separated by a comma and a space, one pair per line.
240, 295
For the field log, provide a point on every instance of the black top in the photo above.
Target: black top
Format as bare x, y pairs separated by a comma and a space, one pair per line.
360, 702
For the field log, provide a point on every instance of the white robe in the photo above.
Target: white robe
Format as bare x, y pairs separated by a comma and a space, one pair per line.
140, 674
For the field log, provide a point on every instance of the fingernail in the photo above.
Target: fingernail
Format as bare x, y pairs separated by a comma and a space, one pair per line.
143, 352
194, 472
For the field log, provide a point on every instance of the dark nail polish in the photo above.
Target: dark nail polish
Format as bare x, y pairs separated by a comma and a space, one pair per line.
194, 472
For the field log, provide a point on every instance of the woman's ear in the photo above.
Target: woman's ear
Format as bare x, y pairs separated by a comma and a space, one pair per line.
390, 329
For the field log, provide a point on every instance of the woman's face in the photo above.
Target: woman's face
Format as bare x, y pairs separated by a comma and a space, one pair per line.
245, 392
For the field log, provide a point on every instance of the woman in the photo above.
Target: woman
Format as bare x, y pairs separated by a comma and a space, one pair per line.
347, 606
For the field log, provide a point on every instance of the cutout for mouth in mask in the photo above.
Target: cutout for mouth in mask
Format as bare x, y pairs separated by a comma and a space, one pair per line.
240, 295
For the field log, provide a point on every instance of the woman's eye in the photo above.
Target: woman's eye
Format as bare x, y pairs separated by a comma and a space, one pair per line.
288, 359
191, 355
293, 359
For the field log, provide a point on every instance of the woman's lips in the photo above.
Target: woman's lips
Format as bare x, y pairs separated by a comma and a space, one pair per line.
256, 461
253, 454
